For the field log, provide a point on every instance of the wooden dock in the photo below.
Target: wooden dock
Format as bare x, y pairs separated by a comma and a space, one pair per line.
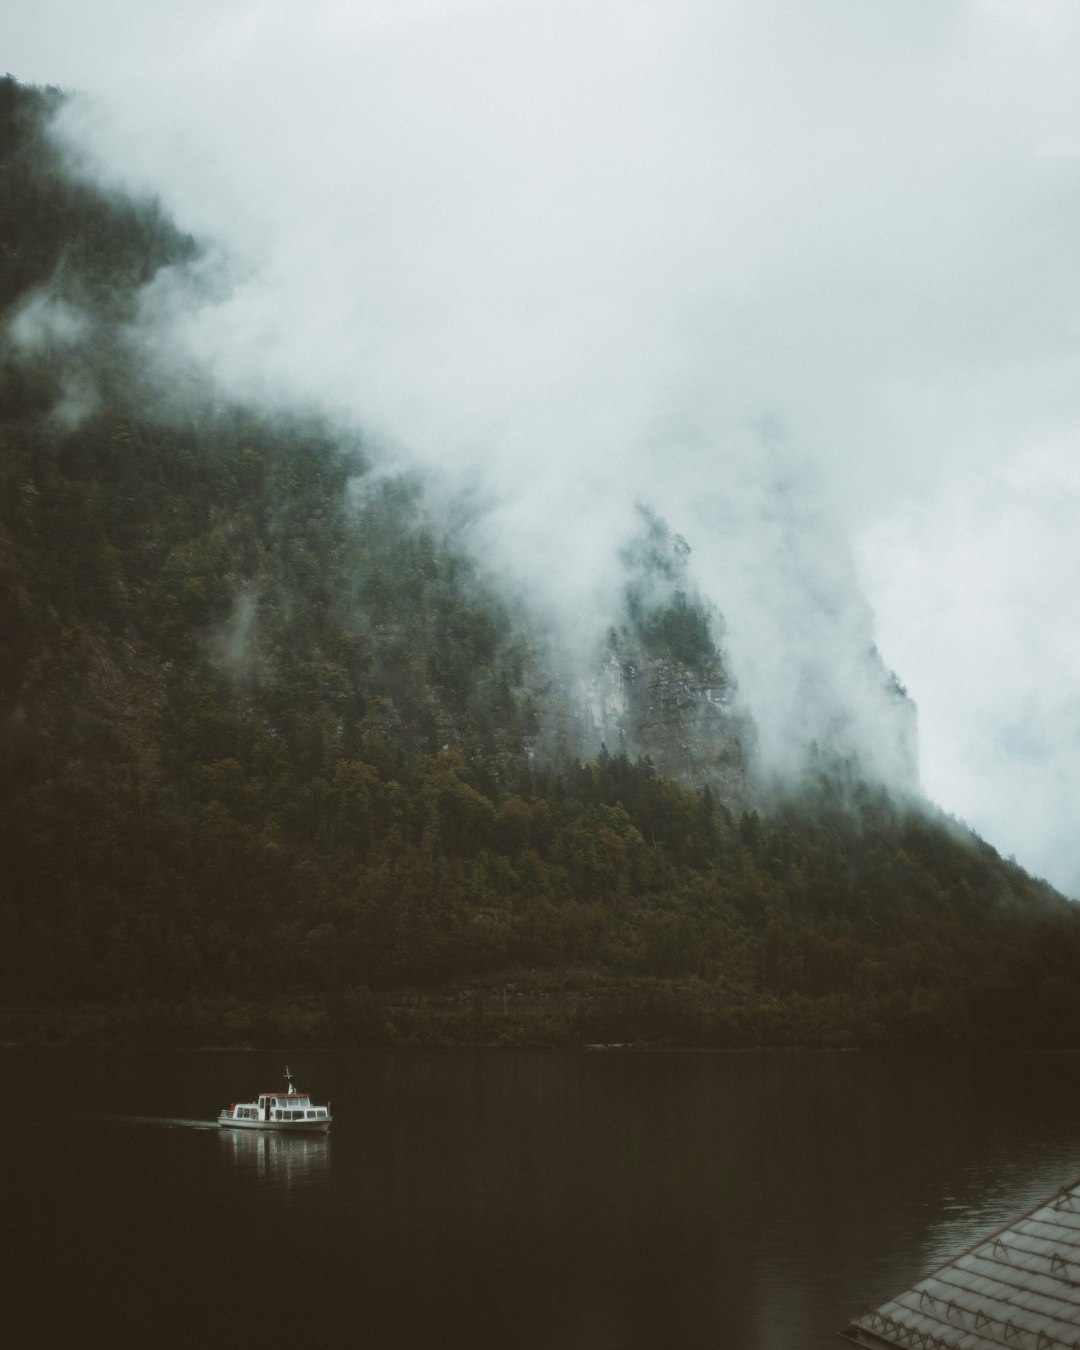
1017, 1289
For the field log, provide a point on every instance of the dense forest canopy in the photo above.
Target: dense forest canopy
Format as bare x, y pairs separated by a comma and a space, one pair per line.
278, 758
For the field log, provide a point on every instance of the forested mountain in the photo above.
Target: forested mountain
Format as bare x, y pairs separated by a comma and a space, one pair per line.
280, 762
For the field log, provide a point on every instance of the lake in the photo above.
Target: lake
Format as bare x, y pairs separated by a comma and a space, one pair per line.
544, 1200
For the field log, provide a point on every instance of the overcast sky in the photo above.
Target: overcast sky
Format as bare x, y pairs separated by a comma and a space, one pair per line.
594, 252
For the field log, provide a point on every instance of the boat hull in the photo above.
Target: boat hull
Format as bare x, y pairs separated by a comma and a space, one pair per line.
276, 1126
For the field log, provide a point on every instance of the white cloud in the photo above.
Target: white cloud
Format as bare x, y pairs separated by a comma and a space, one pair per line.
589, 251
977, 590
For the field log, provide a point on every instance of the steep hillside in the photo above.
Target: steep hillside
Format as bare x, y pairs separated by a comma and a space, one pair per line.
280, 760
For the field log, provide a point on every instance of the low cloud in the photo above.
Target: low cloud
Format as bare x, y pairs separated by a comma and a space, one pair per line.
51, 330
46, 326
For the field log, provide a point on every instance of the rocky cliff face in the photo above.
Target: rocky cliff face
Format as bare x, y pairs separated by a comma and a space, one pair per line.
660, 686
694, 727
691, 728
688, 723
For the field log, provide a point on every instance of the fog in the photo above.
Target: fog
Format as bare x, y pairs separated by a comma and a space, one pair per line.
802, 275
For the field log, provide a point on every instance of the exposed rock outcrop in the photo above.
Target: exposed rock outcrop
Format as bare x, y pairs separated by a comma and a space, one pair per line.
688, 723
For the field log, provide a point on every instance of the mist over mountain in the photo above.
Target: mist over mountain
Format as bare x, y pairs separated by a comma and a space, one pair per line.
287, 707
577, 258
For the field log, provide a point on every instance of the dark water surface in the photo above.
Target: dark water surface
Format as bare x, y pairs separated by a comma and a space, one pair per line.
533, 1200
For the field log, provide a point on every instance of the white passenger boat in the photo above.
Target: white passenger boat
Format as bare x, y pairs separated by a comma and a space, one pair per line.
289, 1112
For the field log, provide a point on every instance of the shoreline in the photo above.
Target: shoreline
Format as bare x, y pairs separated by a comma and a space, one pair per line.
593, 1012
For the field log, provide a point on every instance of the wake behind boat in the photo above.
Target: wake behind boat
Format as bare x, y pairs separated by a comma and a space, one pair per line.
290, 1112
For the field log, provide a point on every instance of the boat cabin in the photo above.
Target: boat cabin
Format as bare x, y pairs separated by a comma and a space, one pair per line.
287, 1106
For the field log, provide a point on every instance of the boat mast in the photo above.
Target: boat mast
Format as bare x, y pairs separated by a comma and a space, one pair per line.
288, 1080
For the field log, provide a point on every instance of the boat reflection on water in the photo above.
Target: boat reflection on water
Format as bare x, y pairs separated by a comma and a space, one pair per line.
285, 1160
